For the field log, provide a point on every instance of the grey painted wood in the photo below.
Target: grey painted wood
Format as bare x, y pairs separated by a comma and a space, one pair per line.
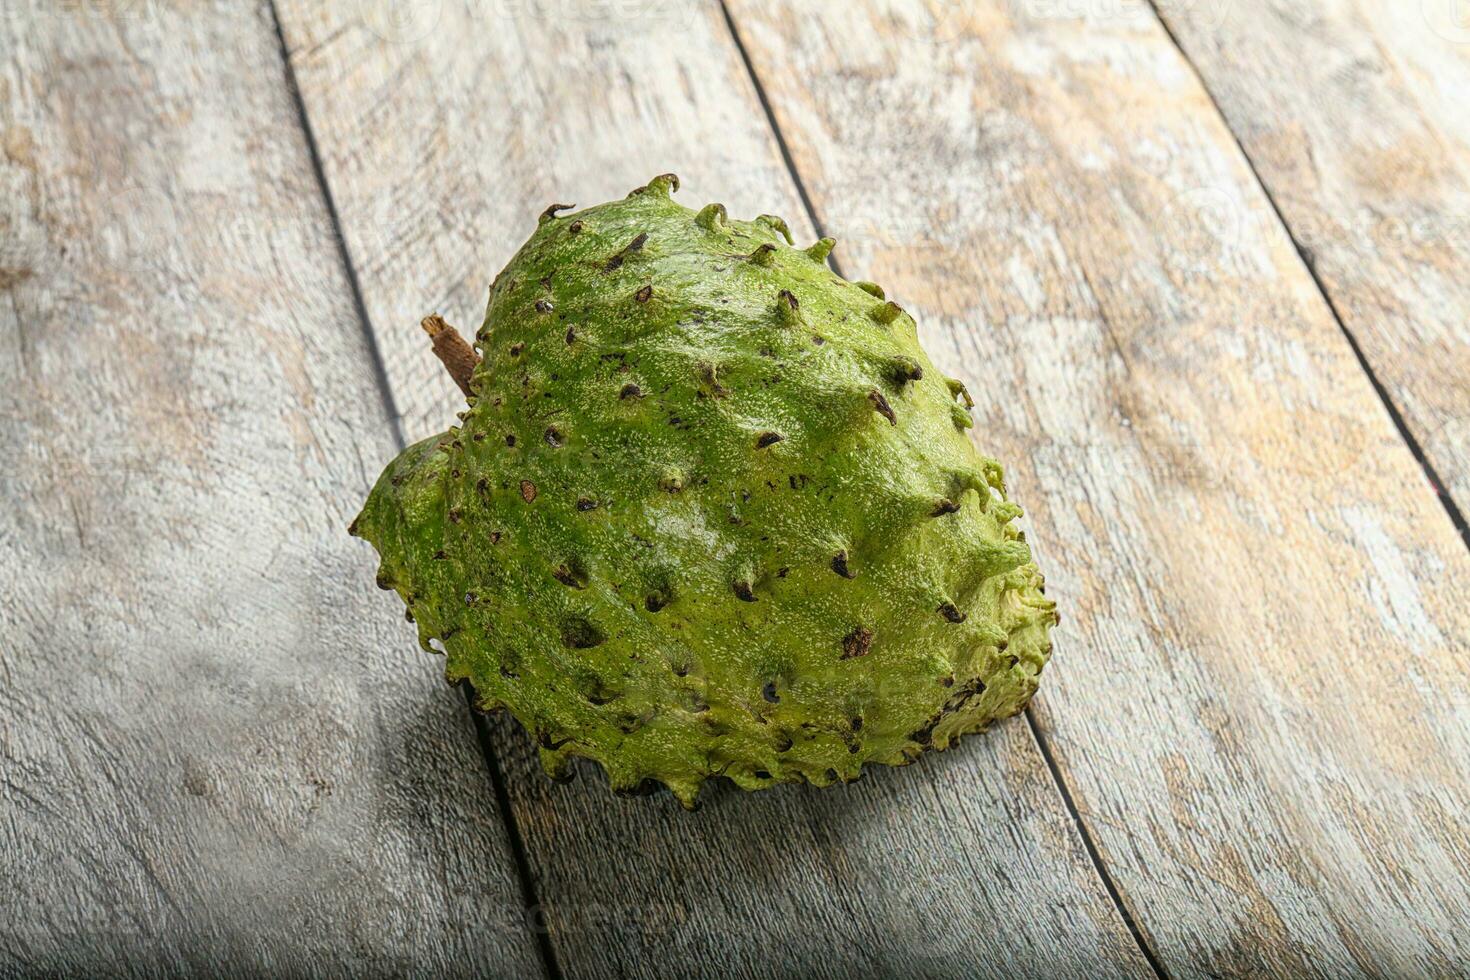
216, 756
1354, 113
442, 140
1261, 687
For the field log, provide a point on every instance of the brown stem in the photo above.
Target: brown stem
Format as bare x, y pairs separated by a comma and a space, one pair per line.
459, 357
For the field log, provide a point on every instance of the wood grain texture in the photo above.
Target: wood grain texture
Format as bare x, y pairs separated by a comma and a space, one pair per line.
1259, 692
1354, 113
215, 758
441, 142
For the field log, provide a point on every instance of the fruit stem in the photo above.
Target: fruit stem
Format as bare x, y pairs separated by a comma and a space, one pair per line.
458, 357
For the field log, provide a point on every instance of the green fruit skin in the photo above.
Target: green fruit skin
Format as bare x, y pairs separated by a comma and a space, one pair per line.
690, 527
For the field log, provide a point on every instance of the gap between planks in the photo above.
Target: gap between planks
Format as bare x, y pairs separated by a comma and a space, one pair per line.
1109, 885
1416, 449
529, 900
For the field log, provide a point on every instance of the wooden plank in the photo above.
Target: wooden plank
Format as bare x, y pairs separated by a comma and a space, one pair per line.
440, 152
1354, 115
214, 757
1259, 694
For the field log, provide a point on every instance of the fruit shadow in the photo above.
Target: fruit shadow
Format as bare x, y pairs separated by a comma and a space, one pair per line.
863, 878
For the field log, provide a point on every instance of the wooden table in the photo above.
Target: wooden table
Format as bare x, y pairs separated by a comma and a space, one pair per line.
1205, 268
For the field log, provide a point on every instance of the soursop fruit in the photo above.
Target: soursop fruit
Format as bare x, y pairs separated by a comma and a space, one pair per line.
711, 512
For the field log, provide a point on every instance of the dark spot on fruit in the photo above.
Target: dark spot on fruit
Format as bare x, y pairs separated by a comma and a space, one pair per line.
945, 506
782, 572
947, 681
655, 601
857, 724
579, 634
783, 742
553, 437
566, 576
904, 369
571, 335
768, 439
544, 306
644, 295
763, 255
857, 643
743, 591
951, 613
769, 693
614, 263
575, 226
644, 787
544, 739
469, 598
586, 503
710, 375
839, 565
516, 348
455, 515
440, 555
630, 390
881, 406
510, 440
384, 582
528, 491
762, 774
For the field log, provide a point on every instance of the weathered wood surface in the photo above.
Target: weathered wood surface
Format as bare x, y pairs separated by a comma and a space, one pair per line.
441, 141
216, 755
1259, 693
1356, 115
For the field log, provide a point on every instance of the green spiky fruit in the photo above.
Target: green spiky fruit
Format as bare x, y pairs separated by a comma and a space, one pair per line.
711, 512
